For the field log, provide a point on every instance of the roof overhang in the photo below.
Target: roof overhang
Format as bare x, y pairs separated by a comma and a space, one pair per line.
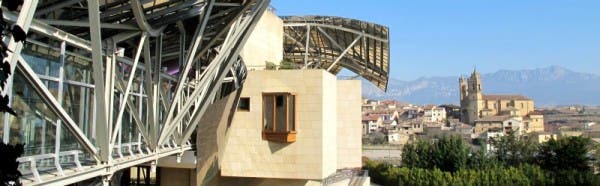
333, 43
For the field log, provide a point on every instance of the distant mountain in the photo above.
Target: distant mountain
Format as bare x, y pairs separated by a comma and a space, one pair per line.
547, 86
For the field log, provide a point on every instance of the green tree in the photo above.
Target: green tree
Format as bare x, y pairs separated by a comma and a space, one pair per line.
270, 65
570, 153
513, 150
9, 173
287, 64
449, 153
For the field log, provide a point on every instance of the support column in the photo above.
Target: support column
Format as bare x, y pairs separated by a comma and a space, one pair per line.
23, 20
61, 76
102, 124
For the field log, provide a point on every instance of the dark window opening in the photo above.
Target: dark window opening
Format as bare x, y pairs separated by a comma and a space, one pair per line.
244, 104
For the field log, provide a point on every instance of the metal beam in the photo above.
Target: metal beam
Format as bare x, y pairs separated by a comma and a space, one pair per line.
306, 46
127, 90
189, 59
52, 32
53, 104
148, 86
24, 21
345, 51
298, 43
170, 126
333, 42
104, 170
56, 6
240, 39
140, 18
184, 4
87, 24
338, 28
134, 112
102, 122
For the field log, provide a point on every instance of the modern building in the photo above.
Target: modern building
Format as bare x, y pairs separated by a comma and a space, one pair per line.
219, 92
477, 107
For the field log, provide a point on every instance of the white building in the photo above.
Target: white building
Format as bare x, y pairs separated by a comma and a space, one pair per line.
434, 114
487, 146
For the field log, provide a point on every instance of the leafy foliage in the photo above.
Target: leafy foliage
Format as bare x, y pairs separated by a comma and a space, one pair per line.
449, 153
516, 161
513, 150
375, 138
525, 174
569, 153
287, 64
18, 35
12, 5
270, 65
9, 172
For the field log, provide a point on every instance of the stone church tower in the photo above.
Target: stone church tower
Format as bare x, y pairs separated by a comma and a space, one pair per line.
471, 97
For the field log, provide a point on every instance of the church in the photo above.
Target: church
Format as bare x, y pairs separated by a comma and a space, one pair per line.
489, 112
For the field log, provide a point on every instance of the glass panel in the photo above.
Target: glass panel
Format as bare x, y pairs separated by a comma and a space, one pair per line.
127, 128
67, 140
268, 113
78, 102
35, 125
280, 113
52, 87
42, 64
78, 69
292, 113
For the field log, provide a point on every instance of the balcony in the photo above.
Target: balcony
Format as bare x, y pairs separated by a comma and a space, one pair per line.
281, 137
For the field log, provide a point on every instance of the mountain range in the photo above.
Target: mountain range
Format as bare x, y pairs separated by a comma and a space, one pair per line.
546, 86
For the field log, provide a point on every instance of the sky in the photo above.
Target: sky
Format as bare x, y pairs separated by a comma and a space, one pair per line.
450, 37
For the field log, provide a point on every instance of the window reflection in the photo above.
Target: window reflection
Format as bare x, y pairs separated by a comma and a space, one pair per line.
35, 125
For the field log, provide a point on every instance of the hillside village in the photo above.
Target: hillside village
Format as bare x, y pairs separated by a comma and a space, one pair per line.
478, 118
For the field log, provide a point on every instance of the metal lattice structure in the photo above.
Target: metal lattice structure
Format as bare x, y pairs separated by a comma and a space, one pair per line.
334, 43
103, 85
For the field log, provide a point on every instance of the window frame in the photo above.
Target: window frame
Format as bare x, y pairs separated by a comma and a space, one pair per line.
290, 134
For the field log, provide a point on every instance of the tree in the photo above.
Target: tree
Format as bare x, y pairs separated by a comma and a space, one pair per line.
449, 153
569, 153
513, 150
9, 173
287, 64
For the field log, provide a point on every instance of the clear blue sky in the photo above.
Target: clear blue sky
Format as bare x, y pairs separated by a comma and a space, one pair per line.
450, 37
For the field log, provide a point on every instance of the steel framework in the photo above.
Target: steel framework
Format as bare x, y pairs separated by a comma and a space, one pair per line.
128, 80
332, 43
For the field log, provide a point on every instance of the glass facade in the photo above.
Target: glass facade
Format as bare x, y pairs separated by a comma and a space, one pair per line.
35, 126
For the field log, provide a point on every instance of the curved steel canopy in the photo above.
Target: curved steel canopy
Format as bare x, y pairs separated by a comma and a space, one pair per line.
331, 43
145, 68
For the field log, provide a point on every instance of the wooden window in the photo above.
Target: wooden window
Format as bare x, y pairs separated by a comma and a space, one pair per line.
279, 117
244, 104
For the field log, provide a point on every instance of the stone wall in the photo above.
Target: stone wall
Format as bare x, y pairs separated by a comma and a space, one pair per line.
312, 156
265, 42
349, 128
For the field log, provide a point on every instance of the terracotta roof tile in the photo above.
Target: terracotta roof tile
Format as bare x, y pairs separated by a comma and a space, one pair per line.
370, 118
